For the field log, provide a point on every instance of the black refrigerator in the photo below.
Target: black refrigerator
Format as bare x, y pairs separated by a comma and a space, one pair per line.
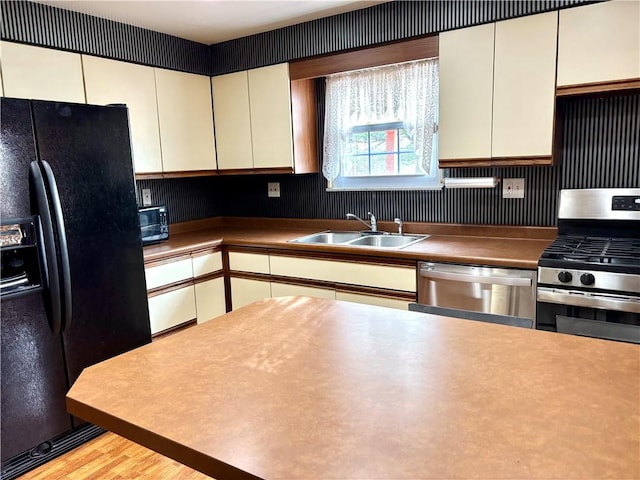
73, 289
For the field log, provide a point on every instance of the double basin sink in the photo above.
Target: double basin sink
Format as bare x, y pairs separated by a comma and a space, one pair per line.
360, 239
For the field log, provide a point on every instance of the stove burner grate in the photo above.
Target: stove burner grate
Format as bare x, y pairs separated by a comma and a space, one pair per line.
621, 251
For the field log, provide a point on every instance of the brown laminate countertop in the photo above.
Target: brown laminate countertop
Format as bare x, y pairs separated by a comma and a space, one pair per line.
307, 388
510, 247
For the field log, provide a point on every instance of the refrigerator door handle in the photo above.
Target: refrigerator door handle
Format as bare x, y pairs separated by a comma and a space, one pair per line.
37, 182
62, 245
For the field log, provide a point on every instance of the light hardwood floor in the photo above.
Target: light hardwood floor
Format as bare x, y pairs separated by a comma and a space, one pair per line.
111, 457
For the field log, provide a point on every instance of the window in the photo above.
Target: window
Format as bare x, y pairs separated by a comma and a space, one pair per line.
380, 128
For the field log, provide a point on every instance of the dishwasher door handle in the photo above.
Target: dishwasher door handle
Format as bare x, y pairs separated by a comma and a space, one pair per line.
472, 278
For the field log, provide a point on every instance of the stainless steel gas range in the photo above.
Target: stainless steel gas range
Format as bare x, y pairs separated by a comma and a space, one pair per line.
589, 277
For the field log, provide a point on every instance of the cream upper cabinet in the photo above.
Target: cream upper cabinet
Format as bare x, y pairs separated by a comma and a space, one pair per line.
41, 73
232, 120
466, 93
252, 111
271, 130
110, 81
186, 121
599, 43
524, 86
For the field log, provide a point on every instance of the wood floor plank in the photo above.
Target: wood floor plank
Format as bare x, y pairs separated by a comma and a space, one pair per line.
111, 457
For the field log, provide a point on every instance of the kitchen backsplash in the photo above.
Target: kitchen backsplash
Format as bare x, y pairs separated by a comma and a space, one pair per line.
190, 198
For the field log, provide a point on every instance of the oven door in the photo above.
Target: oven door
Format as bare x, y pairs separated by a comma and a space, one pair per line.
589, 314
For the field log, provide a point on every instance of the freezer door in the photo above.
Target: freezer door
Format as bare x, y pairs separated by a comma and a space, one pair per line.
89, 152
32, 365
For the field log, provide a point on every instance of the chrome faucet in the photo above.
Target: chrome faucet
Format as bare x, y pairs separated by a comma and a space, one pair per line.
374, 223
400, 225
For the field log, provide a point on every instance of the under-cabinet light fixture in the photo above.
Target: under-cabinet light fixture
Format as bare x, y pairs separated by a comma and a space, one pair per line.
471, 182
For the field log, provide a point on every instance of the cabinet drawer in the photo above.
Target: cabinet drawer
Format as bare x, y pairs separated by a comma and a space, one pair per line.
369, 300
382, 276
168, 273
284, 290
203, 264
171, 309
210, 301
248, 262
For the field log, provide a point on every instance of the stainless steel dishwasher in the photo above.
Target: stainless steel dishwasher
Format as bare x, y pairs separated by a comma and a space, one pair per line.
495, 295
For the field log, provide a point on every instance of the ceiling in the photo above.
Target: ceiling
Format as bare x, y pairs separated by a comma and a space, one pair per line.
212, 21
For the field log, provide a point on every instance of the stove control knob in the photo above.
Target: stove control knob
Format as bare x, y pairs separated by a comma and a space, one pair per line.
565, 277
587, 279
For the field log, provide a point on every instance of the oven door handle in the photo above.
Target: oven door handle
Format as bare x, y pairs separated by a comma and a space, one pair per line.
590, 300
472, 278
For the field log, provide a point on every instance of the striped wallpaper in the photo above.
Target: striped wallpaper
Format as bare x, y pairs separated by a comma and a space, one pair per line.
38, 24
386, 22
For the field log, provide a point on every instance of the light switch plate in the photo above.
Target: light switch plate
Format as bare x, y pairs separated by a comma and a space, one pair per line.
273, 189
513, 188
146, 197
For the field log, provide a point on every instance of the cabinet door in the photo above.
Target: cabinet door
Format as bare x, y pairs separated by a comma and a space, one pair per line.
186, 121
210, 302
285, 290
233, 125
41, 73
466, 93
271, 130
110, 81
524, 86
171, 309
599, 43
244, 291
370, 300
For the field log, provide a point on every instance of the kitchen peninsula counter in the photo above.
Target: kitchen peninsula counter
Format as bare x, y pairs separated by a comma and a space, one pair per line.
518, 247
304, 388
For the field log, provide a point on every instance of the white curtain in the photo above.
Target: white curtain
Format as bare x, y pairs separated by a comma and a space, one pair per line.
406, 92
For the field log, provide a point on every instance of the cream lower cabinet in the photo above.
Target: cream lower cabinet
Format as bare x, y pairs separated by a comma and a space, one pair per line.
245, 291
41, 73
391, 279
286, 289
191, 292
110, 81
171, 309
378, 301
365, 274
599, 43
210, 300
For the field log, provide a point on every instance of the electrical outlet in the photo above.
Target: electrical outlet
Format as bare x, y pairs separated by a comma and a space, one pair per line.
513, 188
273, 189
146, 197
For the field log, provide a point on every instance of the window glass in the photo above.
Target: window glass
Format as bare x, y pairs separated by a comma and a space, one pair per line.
380, 128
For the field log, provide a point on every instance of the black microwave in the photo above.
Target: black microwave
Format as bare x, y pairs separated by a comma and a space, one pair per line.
154, 226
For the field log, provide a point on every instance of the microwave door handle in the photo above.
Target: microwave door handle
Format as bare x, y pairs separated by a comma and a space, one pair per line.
62, 245
49, 247
471, 278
